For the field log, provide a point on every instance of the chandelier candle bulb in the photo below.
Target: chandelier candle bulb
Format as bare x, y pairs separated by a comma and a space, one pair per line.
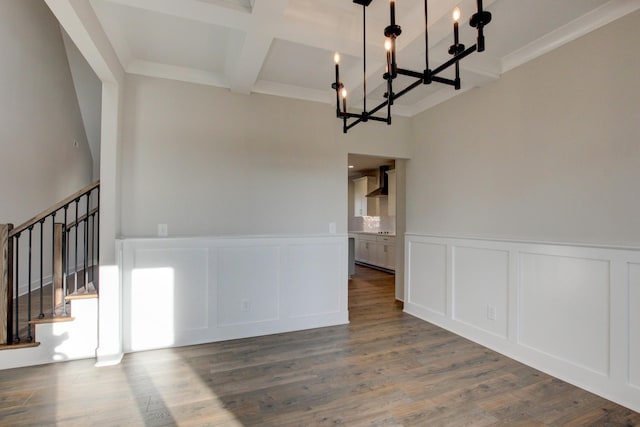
387, 47
456, 18
456, 14
344, 100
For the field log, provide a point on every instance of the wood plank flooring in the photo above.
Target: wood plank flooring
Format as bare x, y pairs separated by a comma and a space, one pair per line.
385, 368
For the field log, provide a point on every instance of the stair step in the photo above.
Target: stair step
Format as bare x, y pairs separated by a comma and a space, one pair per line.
83, 293
19, 345
49, 319
86, 295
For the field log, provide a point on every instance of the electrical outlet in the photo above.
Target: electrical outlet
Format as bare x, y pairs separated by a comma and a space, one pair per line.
244, 306
163, 230
491, 312
332, 227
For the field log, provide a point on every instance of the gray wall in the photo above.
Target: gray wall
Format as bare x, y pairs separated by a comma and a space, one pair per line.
209, 162
39, 114
89, 92
549, 152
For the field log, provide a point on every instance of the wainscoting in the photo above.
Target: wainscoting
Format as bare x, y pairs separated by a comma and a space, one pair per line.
195, 290
570, 311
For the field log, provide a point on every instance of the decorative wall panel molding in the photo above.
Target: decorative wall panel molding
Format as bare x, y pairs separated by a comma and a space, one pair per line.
564, 308
480, 288
195, 290
634, 325
430, 279
571, 311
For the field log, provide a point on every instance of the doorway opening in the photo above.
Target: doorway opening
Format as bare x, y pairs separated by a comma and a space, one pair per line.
376, 219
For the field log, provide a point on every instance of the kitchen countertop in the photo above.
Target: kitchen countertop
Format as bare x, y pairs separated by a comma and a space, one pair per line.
373, 233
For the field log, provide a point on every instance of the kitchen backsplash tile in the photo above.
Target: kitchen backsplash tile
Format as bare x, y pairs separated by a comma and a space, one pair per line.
373, 224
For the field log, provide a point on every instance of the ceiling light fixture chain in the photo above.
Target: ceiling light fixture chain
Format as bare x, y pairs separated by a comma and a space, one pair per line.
458, 51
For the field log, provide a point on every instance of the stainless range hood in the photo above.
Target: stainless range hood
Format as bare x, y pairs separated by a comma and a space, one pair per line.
383, 179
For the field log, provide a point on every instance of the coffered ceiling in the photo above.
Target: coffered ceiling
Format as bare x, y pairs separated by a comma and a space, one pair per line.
285, 47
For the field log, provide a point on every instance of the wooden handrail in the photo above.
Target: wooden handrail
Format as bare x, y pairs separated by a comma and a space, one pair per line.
53, 208
82, 218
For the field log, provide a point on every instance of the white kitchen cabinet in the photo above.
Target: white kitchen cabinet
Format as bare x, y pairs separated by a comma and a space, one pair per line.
362, 251
365, 249
362, 186
375, 250
390, 257
385, 253
391, 198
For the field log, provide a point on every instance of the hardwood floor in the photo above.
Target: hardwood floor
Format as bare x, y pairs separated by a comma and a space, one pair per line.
385, 368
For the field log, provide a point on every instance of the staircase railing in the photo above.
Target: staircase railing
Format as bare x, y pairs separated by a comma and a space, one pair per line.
44, 260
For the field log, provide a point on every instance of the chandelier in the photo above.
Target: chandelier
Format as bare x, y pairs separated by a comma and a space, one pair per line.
458, 51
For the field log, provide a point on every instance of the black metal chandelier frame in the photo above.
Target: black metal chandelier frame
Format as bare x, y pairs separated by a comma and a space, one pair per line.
478, 20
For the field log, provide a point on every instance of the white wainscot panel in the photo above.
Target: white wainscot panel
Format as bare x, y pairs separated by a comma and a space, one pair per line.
634, 325
564, 308
428, 276
248, 284
480, 288
167, 296
312, 284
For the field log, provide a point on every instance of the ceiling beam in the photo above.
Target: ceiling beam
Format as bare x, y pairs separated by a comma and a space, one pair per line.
194, 10
81, 24
266, 18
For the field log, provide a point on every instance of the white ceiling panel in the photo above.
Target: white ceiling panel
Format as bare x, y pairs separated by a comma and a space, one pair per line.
285, 47
282, 66
234, 4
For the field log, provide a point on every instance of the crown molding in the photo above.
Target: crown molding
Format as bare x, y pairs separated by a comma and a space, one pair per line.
591, 21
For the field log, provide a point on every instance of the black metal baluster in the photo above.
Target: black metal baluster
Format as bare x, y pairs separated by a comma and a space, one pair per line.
29, 334
53, 265
93, 249
41, 314
65, 261
75, 275
86, 247
98, 240
16, 336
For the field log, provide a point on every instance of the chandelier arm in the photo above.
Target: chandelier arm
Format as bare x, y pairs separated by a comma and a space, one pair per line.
444, 81
396, 96
408, 88
379, 107
359, 118
351, 116
378, 119
345, 128
453, 60
352, 124
410, 73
